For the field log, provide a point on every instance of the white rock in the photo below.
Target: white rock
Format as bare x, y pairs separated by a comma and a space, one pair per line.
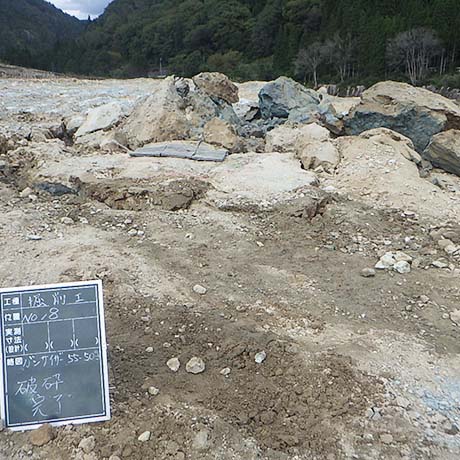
67, 221
402, 267
455, 317
144, 437
154, 391
198, 289
402, 257
225, 372
173, 364
386, 261
260, 357
100, 118
149, 350
439, 264
195, 366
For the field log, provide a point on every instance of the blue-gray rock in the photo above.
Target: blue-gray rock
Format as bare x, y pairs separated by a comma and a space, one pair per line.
285, 98
416, 113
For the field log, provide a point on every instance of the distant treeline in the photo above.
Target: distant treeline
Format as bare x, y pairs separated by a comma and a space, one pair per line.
312, 40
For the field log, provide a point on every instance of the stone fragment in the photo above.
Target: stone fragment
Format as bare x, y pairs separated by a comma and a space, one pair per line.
87, 444
42, 435
402, 267
195, 366
173, 364
455, 317
386, 438
260, 357
368, 273
198, 289
144, 437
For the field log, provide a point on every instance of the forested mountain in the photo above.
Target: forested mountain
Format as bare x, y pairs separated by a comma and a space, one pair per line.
30, 28
314, 40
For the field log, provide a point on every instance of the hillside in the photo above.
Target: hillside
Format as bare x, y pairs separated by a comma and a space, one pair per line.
30, 28
261, 39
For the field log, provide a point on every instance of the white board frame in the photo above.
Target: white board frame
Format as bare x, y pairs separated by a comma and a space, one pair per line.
105, 377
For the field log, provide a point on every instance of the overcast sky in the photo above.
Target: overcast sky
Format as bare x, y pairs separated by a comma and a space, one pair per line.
82, 8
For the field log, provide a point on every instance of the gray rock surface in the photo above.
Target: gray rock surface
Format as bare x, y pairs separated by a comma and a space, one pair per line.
416, 113
285, 98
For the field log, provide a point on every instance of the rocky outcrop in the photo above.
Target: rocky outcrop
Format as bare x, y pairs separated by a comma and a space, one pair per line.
417, 113
217, 85
285, 98
444, 151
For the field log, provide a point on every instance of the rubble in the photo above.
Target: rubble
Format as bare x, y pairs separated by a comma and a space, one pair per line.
344, 360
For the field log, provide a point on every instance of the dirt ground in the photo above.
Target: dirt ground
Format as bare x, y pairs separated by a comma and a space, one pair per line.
355, 368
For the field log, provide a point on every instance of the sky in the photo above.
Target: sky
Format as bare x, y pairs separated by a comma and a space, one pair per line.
82, 8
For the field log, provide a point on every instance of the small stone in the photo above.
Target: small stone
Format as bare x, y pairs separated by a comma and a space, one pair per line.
201, 440
87, 445
34, 237
195, 366
402, 402
439, 264
368, 273
445, 243
455, 317
198, 289
451, 249
67, 221
132, 232
225, 372
149, 350
424, 299
451, 429
402, 257
386, 438
26, 192
154, 391
114, 457
144, 437
42, 435
173, 364
369, 437
386, 261
402, 267
260, 357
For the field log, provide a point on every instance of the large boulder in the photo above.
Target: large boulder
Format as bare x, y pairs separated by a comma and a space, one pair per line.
377, 168
160, 117
312, 145
101, 118
417, 113
223, 134
444, 151
285, 98
217, 85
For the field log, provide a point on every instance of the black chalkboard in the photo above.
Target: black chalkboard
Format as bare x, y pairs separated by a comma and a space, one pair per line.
53, 355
